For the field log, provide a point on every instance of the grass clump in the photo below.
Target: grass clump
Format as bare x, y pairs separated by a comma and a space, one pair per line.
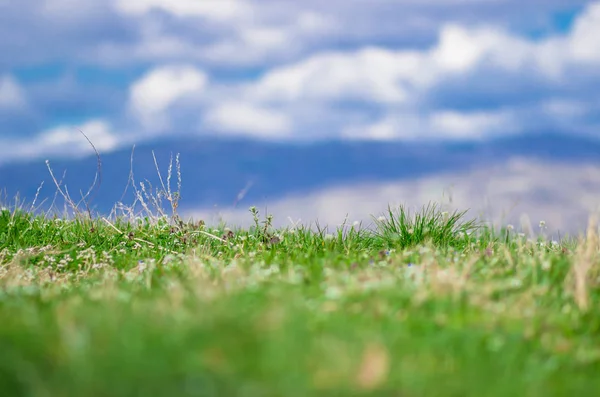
440, 227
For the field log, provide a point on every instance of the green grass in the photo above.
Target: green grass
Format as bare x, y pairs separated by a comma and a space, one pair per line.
425, 304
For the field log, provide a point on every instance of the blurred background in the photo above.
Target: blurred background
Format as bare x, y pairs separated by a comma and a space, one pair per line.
311, 110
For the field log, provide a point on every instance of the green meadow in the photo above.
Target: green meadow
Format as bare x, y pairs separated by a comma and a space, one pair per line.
423, 303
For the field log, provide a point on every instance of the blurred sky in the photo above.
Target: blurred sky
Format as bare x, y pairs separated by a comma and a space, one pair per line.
131, 71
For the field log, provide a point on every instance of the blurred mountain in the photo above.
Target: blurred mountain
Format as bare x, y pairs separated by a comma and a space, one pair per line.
214, 171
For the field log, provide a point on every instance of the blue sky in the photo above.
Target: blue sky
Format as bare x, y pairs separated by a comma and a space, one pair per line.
130, 71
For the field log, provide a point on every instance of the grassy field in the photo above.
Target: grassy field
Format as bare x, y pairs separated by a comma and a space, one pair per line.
423, 304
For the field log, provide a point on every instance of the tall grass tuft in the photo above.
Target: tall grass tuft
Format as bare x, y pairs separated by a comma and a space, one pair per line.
398, 229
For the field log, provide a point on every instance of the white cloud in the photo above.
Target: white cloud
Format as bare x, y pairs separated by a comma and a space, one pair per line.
68, 139
160, 88
579, 47
371, 74
385, 129
236, 117
584, 43
385, 75
459, 50
12, 96
62, 141
452, 124
381, 74
444, 123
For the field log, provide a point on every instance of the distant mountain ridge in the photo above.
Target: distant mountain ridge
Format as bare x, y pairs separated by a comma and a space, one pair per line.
214, 170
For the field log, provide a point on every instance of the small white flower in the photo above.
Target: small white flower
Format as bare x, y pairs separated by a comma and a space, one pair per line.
355, 223
542, 224
381, 219
510, 227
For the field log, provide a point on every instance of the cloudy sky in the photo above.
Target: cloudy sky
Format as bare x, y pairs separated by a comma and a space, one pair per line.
132, 70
